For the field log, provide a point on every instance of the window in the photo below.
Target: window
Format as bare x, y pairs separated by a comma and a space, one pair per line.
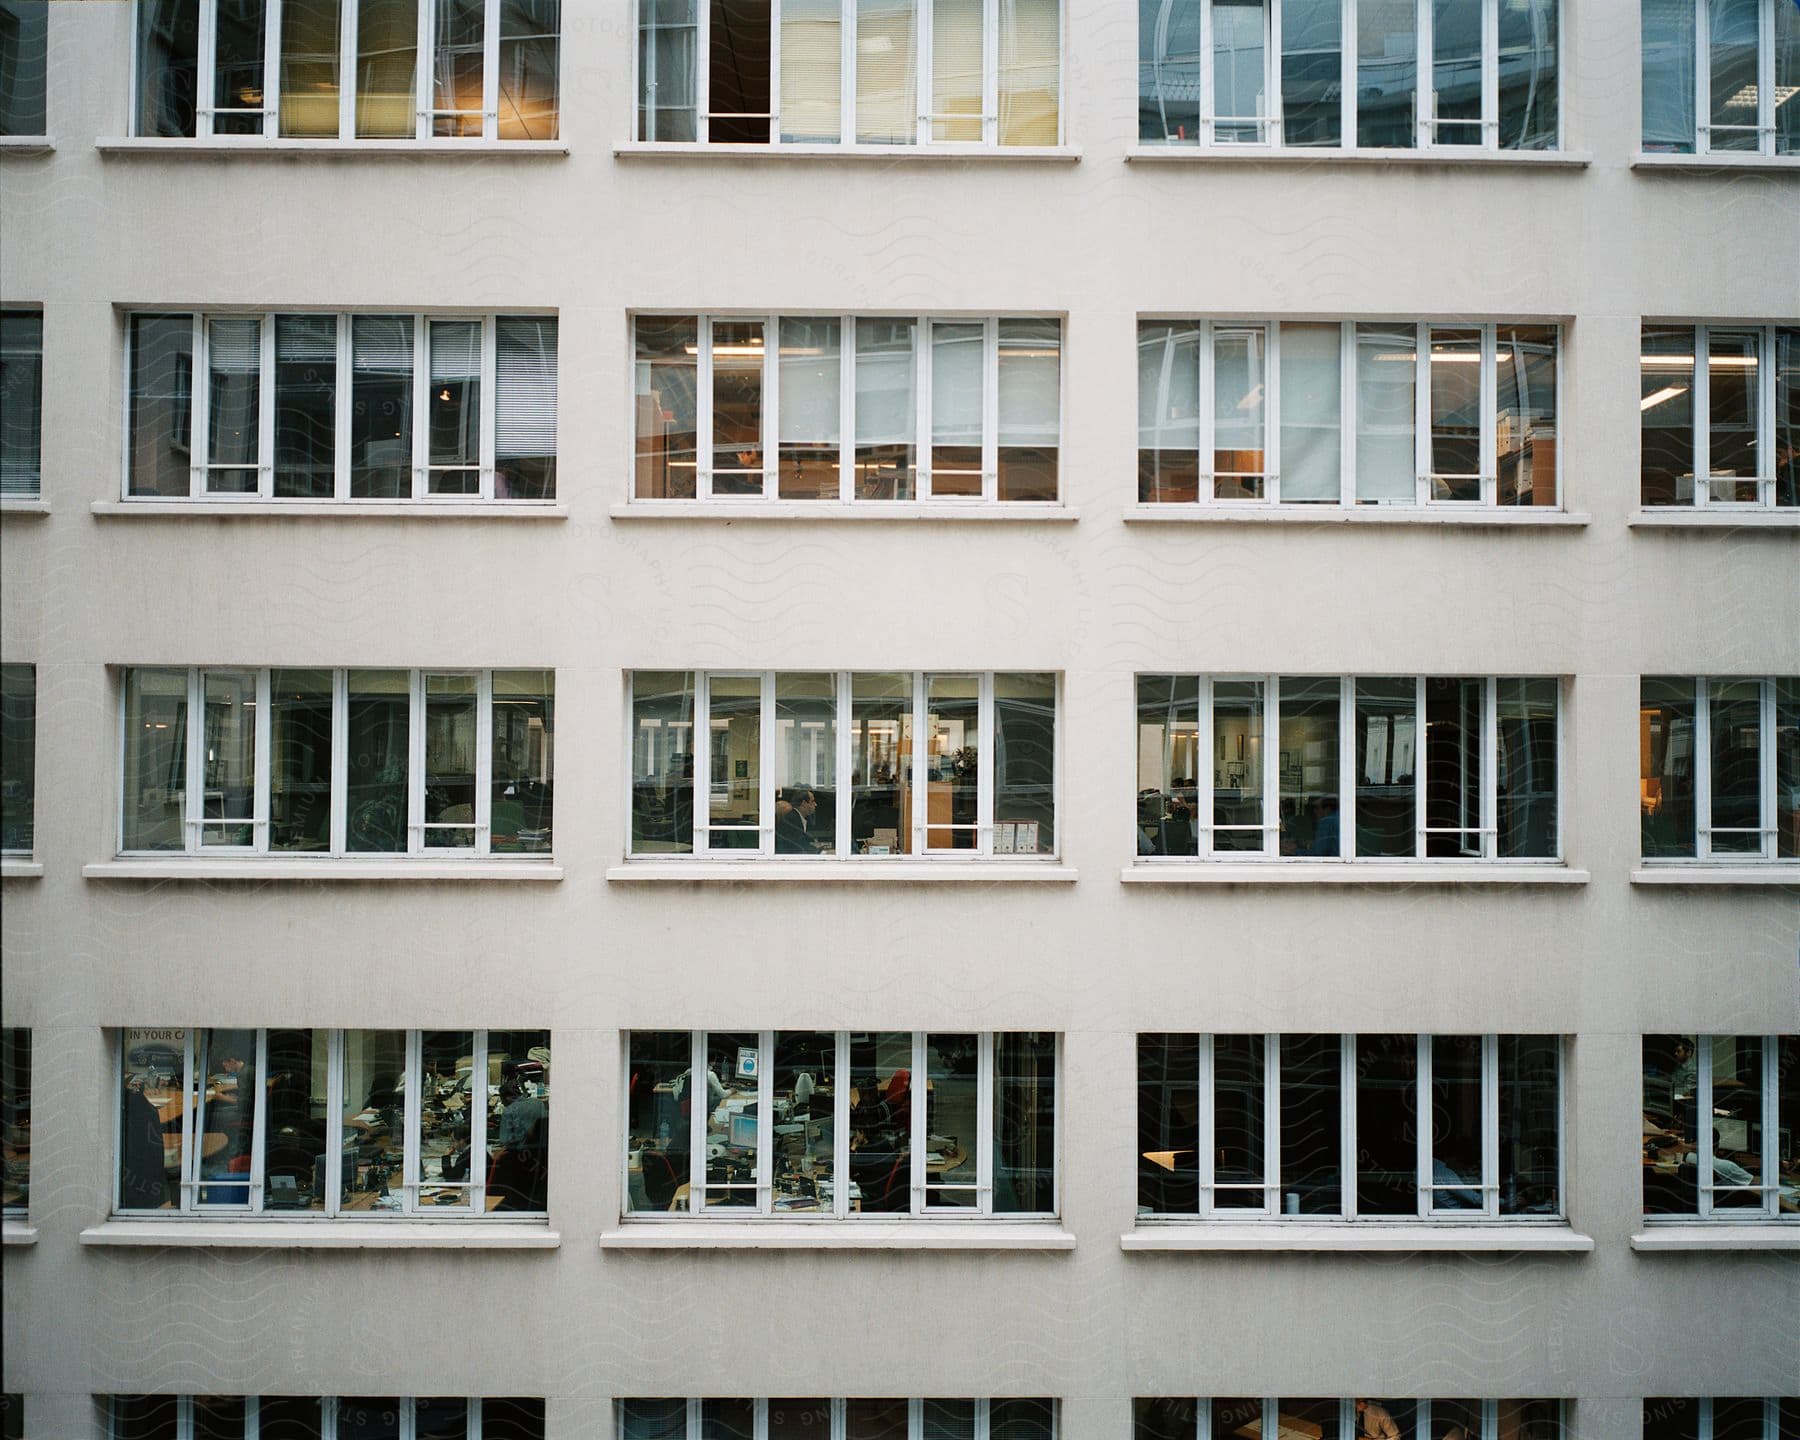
307, 1417
1745, 381
21, 399
1357, 768
348, 69
766, 781
15, 1115
968, 73
1745, 1165
801, 1123
328, 1123
1455, 1128
341, 407
1380, 413
1168, 1418
1719, 773
886, 1419
18, 758
23, 24
828, 407
1720, 77
1331, 74
298, 762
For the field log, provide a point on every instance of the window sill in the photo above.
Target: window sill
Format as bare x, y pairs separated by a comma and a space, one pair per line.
1707, 1235
255, 147
26, 145
1675, 517
21, 869
1365, 1237
340, 870
1717, 875
1183, 153
333, 509
841, 872
325, 1234
20, 505
18, 1231
837, 1235
693, 150
1715, 162
874, 510
1256, 513
1347, 872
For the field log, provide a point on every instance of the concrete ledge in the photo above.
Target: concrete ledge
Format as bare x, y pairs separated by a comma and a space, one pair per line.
331, 509
341, 870
881, 154
258, 147
1715, 162
1708, 1235
26, 145
1713, 517
21, 869
918, 1234
875, 510
1458, 158
1364, 1237
842, 872
20, 505
325, 1234
1256, 513
1348, 872
18, 1231
1717, 875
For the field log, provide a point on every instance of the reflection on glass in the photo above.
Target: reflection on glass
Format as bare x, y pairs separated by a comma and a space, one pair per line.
387, 60
1787, 1103
733, 1063
238, 67
1311, 413
1240, 1110
1168, 1124
886, 70
1168, 764
1787, 379
881, 761
1671, 1090
1733, 399
1666, 723
1311, 1125
1029, 72
1738, 1417
659, 1122
143, 1417
234, 393
1237, 778
1025, 1122
886, 408
1236, 1418
15, 1115
799, 1419
805, 764
378, 724
880, 1122
450, 726
1240, 64
804, 1094
1455, 413
662, 761
1667, 403
161, 405
1386, 766
451, 1085
1453, 762
1309, 819
1668, 35
734, 727
518, 1109
1386, 73
1385, 386
1163, 1417
737, 376
300, 777
18, 758
309, 68
1525, 423
668, 35
953, 726
1456, 72
21, 402
218, 1417
1736, 720
1239, 373
1168, 411
361, 1417
155, 779
521, 790
875, 1420
957, 33
1734, 36
456, 63
225, 1086
168, 47
948, 1420
667, 406
228, 758
952, 1103
1530, 1124
1312, 42
381, 406
1024, 763
1787, 142
1787, 767
1529, 75
373, 1131
529, 91
453, 407
1168, 71
1737, 1122
305, 405
1455, 1128
1030, 401
811, 362
1387, 1110
654, 1419
1021, 1419
1526, 785
956, 408
152, 1102
296, 1121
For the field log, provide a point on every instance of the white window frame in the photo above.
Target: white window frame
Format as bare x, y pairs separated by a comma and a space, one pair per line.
1271, 1209
32, 487
189, 1207
1268, 125
1347, 1428
921, 1188
1769, 848
1701, 480
1487, 822
839, 1429
328, 1414
194, 821
918, 826
1764, 127
1704, 1419
643, 97
1769, 1189
25, 852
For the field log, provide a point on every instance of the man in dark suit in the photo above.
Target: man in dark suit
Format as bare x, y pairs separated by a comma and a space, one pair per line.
793, 826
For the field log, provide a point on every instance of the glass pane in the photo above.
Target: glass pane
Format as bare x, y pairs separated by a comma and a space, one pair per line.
812, 60
1738, 1417
1311, 1125
653, 1420
881, 775
219, 1417
1240, 65
1021, 1419
1455, 414
525, 407
1168, 411
1308, 760
449, 761
886, 409
1667, 403
886, 71
734, 810
150, 1110
234, 395
363, 1418
523, 770
739, 72
1736, 715
957, 28
1455, 1420
378, 753
952, 1108
1311, 412
804, 1095
659, 1122
1527, 783
168, 48
1239, 375
668, 35
1455, 1127
456, 61
1168, 1124
1529, 76
875, 1420
374, 1120
143, 1417
520, 1418
1733, 28
517, 1100
297, 1120
1387, 1125
956, 408
305, 405
1666, 720
381, 407
948, 1420
1670, 1115
662, 762
454, 405
1787, 767
1737, 1122
1311, 72
799, 1419
1240, 1119
1525, 423
805, 764
21, 403
387, 62
309, 67
1164, 1417
1787, 86
1319, 1419
1668, 76
1030, 386
1386, 73
1385, 387
155, 775
1236, 1419
1030, 64
737, 438
1024, 764
225, 1086
1732, 397
300, 705
1453, 767
1672, 1418
1387, 761
1169, 70
443, 1419
18, 757
1237, 778
952, 795
1456, 72
228, 759
529, 91
1530, 1124
161, 418
290, 1417
238, 68
1025, 1122
1168, 764
667, 406
15, 1114
811, 366
880, 1122
1787, 1159
1787, 387
733, 1125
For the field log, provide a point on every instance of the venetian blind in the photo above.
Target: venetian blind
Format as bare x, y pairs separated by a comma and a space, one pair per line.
886, 65
524, 386
811, 70
1030, 55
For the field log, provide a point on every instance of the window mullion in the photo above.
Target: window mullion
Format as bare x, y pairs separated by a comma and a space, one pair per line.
410, 1171
990, 408
199, 406
334, 1121
1425, 91
990, 73
921, 1051
1703, 1130
424, 91
702, 806
1208, 486
260, 765
1766, 416
259, 1119
1490, 414
916, 765
765, 760
206, 63
271, 102
1272, 412
1347, 40
1273, 119
984, 764
478, 1122
339, 840
765, 1122
1271, 772
415, 770
194, 810
342, 398
699, 1106
925, 482
1490, 74
1209, 97
984, 1122
490, 72
703, 458
1490, 1126
484, 453
484, 761
1208, 1099
1702, 769
1347, 1122
771, 407
1347, 767
347, 87
846, 411
774, 121
265, 408
1702, 416
1425, 1199
1420, 848
1768, 841
702, 78
924, 38
1205, 779
1489, 818
1347, 402
845, 746
1766, 101
421, 409
1771, 1127
1422, 406
840, 1125
1272, 1204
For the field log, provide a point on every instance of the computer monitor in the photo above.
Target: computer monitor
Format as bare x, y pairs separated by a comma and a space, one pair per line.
743, 1130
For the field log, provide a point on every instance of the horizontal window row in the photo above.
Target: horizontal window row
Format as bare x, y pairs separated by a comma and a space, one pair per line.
1743, 1417
1719, 76
1719, 768
369, 69
798, 1123
1721, 1126
312, 406
308, 1417
832, 72
887, 1419
1721, 401
337, 762
356, 1123
1175, 1418
1387, 74
847, 408
1377, 413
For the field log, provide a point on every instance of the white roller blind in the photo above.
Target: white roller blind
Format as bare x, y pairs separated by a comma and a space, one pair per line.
1030, 382
956, 55
811, 69
1311, 406
524, 386
1030, 56
956, 384
886, 72
885, 407
811, 359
